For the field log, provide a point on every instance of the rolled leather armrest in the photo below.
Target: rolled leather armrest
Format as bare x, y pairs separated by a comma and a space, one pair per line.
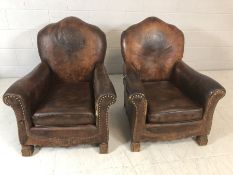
103, 87
28, 91
132, 82
199, 87
135, 96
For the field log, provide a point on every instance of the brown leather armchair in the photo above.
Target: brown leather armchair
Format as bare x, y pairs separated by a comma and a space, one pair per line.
65, 99
165, 99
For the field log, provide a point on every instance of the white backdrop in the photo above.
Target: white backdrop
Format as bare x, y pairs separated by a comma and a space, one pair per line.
207, 25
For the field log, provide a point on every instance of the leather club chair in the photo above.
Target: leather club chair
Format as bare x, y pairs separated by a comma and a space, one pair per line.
64, 101
165, 99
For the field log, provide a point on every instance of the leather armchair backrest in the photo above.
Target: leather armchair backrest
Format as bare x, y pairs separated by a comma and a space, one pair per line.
152, 47
71, 48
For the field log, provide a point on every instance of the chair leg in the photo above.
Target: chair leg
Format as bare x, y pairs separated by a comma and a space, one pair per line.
202, 140
135, 146
103, 148
27, 150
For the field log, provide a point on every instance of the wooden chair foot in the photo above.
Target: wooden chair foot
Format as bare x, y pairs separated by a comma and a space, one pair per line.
103, 148
202, 140
135, 146
27, 150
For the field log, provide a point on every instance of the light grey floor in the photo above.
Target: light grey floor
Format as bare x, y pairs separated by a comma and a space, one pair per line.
175, 157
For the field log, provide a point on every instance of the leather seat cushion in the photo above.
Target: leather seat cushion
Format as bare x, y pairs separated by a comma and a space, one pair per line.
66, 105
167, 104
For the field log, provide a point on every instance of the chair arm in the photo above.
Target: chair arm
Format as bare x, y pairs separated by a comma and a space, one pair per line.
105, 96
135, 96
103, 87
26, 93
132, 82
199, 87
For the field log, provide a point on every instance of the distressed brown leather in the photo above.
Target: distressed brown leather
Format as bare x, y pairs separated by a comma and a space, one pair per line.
102, 84
152, 47
64, 101
164, 98
132, 82
71, 48
67, 105
167, 104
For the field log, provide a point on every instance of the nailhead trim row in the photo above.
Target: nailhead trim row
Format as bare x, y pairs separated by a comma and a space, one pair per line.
21, 107
98, 109
17, 99
140, 96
